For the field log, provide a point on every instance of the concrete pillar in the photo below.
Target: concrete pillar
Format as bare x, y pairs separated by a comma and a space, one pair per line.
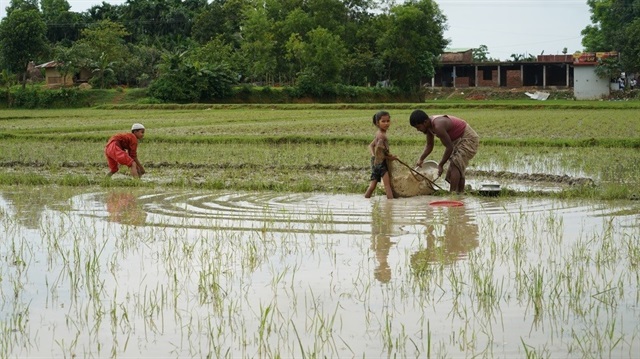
475, 81
544, 76
453, 76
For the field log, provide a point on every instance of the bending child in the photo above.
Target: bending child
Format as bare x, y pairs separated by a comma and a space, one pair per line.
379, 149
122, 149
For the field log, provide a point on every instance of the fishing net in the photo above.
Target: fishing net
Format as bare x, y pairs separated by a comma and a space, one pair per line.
406, 183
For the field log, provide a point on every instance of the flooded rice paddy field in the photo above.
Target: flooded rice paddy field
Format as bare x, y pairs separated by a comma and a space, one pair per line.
140, 272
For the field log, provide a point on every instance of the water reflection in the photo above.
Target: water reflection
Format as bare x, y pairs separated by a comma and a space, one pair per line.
28, 205
235, 260
451, 233
123, 208
381, 230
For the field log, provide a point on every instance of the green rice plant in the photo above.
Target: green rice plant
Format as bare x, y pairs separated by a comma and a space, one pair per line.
75, 180
531, 353
264, 329
25, 179
308, 141
536, 291
193, 277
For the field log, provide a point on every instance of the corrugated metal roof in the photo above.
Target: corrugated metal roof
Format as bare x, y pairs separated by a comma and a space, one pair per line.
458, 49
48, 65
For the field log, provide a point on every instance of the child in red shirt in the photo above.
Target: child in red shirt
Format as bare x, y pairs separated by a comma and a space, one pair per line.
122, 149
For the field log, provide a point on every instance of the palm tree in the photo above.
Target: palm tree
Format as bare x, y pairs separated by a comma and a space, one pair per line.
102, 68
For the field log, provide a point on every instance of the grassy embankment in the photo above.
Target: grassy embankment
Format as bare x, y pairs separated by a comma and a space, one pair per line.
303, 148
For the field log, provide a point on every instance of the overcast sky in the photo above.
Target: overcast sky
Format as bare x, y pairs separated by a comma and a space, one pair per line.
505, 26
516, 26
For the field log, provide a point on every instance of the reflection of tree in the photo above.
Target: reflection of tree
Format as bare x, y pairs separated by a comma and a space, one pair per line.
123, 208
451, 235
381, 229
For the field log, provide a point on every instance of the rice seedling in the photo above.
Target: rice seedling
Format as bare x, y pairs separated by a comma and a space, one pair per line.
313, 149
212, 255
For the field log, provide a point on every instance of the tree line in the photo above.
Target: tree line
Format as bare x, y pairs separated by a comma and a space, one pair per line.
192, 50
189, 50
615, 27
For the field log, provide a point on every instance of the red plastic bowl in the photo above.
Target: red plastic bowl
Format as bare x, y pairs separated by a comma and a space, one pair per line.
446, 203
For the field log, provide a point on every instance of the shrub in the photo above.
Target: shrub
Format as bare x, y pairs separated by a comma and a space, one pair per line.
186, 82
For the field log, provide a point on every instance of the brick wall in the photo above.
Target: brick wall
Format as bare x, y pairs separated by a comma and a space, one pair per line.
513, 78
462, 81
555, 58
488, 83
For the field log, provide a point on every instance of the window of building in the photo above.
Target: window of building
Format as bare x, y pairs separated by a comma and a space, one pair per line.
487, 74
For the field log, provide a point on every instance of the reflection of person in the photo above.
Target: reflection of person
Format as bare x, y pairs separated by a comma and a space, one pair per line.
381, 227
450, 237
379, 149
122, 148
460, 141
123, 208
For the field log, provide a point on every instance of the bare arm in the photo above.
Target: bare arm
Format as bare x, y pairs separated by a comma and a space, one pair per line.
372, 147
427, 149
440, 126
141, 170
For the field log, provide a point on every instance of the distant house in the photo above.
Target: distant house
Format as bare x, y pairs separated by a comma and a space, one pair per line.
587, 84
54, 78
457, 69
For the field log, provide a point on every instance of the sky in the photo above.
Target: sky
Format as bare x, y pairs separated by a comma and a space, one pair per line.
516, 26
505, 26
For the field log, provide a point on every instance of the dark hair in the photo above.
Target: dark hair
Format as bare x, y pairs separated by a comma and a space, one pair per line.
418, 117
379, 115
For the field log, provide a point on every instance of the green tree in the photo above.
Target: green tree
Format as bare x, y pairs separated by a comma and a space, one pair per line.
522, 57
181, 80
481, 54
615, 27
105, 39
7, 80
412, 31
258, 46
22, 39
361, 34
139, 68
221, 17
105, 11
66, 60
215, 52
62, 24
324, 54
609, 68
207, 24
103, 70
328, 14
22, 5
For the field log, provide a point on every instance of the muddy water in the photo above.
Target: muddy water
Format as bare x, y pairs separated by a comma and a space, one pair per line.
176, 274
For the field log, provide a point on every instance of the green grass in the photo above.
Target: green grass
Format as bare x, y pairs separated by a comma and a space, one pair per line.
316, 147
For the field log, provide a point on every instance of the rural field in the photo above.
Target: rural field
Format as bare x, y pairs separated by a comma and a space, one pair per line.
249, 236
302, 148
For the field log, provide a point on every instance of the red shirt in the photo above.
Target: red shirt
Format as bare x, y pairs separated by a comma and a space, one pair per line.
457, 128
127, 142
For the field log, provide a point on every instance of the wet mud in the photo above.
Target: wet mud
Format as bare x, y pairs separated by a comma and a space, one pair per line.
538, 178
533, 177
